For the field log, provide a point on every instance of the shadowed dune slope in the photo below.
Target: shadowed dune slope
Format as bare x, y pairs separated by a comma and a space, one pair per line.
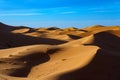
9, 40
9, 28
102, 67
107, 40
5, 28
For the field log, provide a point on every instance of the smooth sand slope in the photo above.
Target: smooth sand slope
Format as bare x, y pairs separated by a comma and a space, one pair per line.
91, 53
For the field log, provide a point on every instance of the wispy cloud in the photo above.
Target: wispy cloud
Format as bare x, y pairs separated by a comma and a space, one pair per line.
105, 9
101, 11
68, 12
21, 14
19, 10
96, 8
35, 11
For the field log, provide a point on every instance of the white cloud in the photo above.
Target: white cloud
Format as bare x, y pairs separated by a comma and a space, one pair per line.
18, 10
101, 11
98, 8
21, 14
104, 9
69, 12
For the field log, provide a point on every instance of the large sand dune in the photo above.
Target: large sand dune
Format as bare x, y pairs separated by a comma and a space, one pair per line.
91, 53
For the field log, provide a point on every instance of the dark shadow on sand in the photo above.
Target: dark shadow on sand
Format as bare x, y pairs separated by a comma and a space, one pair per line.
9, 40
73, 36
29, 61
106, 63
106, 40
102, 67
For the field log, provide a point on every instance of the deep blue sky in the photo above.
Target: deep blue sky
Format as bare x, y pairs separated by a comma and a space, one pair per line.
60, 13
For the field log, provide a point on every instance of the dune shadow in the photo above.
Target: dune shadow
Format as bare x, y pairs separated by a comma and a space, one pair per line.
9, 40
53, 28
29, 61
106, 40
73, 36
54, 50
102, 67
83, 30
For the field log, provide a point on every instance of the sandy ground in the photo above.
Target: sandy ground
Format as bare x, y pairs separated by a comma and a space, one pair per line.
91, 53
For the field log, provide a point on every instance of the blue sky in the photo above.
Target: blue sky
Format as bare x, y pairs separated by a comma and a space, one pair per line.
60, 13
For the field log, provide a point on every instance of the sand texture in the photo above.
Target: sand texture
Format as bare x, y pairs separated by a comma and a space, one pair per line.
91, 53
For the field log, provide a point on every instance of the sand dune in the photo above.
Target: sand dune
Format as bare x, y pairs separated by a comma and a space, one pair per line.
91, 53
9, 40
